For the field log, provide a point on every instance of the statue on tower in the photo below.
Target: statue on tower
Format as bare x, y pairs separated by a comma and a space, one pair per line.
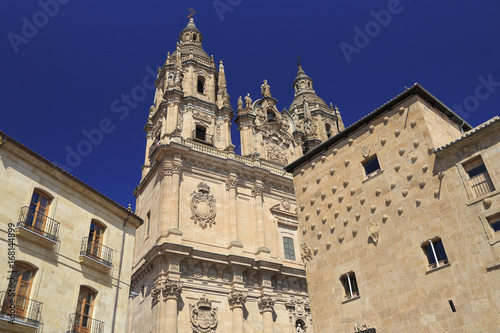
240, 103
265, 89
248, 101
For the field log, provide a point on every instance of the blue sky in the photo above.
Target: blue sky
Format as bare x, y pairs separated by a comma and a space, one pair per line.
64, 66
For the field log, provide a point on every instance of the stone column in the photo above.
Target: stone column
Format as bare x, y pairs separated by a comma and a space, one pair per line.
237, 301
171, 296
233, 210
259, 202
266, 304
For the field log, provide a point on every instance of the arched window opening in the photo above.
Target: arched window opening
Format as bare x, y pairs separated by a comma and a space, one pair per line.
194, 37
308, 84
201, 84
83, 316
271, 117
95, 239
328, 130
20, 284
300, 326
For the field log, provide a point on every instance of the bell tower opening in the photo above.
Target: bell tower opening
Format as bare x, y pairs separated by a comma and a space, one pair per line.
200, 133
271, 117
328, 130
201, 84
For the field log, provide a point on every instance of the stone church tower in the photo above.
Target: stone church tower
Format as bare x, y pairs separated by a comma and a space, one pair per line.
219, 250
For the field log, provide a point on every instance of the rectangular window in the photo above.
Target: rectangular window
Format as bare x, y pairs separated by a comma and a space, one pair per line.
494, 222
435, 253
289, 248
479, 179
371, 165
148, 219
350, 285
200, 133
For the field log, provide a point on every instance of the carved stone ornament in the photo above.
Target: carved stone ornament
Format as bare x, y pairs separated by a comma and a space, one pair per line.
169, 169
305, 253
203, 206
231, 183
361, 327
276, 150
266, 303
237, 298
366, 152
285, 203
299, 311
171, 289
373, 231
203, 316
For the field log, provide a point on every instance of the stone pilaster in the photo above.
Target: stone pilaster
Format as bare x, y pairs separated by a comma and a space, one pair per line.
266, 305
231, 188
237, 301
259, 215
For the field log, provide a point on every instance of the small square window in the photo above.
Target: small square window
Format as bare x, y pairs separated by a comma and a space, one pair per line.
289, 248
479, 178
371, 165
436, 255
494, 222
350, 285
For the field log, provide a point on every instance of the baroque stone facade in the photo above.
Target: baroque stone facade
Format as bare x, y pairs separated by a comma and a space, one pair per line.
211, 256
400, 220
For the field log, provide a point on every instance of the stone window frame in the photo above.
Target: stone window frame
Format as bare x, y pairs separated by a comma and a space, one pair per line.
465, 178
293, 247
373, 174
349, 278
439, 264
290, 232
484, 217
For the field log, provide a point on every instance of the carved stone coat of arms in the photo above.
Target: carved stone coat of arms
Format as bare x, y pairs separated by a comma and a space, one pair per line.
203, 206
203, 316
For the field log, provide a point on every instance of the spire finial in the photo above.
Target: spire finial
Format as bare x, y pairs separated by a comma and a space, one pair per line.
192, 11
299, 59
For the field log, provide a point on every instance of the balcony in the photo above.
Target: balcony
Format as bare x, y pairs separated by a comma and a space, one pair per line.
37, 227
153, 148
19, 311
92, 252
80, 323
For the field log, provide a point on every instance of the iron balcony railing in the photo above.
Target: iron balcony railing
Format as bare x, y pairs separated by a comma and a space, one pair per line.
20, 309
154, 147
40, 223
80, 323
96, 251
